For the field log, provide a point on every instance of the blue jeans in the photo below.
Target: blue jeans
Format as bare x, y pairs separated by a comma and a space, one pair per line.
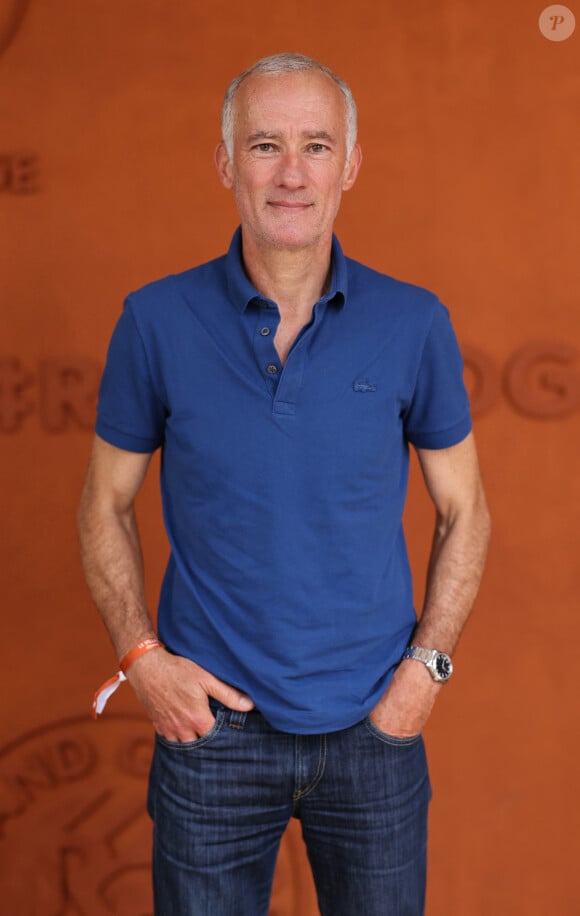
220, 806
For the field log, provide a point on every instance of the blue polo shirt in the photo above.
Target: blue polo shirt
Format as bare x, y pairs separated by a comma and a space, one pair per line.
283, 487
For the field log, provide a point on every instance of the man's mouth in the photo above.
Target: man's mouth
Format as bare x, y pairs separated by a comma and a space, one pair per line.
290, 204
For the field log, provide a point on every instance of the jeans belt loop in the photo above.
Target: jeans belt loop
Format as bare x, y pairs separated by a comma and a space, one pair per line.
237, 719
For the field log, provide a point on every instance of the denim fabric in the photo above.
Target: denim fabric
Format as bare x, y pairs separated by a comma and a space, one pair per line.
220, 806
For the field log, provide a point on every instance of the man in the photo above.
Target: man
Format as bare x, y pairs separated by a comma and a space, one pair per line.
284, 383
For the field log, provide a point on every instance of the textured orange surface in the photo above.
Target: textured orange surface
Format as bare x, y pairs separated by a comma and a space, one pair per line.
469, 125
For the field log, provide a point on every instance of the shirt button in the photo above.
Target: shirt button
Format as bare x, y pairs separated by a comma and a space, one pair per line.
264, 332
271, 369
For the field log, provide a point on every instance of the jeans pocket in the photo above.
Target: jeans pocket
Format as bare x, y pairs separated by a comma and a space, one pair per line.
198, 742
393, 740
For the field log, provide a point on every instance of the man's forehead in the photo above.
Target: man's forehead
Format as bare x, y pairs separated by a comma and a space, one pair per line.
308, 103
310, 89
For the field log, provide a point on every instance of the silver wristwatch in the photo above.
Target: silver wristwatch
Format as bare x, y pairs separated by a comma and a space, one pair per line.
438, 664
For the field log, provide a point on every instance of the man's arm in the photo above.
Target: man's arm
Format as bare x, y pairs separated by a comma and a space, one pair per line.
455, 569
172, 690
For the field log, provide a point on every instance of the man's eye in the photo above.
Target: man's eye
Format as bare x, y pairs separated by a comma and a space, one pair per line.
317, 147
265, 147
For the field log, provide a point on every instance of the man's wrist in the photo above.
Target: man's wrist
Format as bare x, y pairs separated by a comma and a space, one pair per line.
107, 689
438, 663
145, 645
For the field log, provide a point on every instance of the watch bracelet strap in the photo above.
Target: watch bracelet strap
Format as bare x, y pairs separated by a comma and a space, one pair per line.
420, 654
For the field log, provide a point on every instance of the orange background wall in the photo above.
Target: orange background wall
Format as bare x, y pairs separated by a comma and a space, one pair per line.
469, 123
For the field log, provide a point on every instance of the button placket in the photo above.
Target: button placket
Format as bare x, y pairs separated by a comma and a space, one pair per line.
266, 355
290, 382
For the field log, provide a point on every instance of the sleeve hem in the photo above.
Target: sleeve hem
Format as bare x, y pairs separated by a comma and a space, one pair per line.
443, 438
127, 441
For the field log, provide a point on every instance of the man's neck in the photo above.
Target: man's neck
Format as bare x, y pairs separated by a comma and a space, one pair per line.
293, 278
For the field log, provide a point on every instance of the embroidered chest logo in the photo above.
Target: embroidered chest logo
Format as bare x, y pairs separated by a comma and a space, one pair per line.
363, 385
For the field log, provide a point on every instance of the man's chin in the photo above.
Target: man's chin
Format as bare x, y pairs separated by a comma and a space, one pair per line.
291, 238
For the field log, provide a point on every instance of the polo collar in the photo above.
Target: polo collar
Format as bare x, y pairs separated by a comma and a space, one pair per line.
242, 291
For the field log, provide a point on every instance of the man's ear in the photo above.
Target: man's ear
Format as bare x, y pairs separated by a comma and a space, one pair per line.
352, 168
224, 166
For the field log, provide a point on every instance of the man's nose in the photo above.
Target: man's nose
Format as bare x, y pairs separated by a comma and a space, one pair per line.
290, 172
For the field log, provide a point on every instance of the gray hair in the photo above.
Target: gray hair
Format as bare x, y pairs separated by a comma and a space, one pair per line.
276, 65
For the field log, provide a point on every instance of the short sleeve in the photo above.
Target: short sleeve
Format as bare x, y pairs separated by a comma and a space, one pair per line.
130, 413
438, 415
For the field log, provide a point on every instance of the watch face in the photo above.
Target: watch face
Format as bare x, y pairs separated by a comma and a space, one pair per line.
443, 666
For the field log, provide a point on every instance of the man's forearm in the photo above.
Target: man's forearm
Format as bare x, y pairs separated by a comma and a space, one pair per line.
454, 574
113, 566
455, 570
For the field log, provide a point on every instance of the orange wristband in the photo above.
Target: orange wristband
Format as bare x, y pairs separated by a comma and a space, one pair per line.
137, 651
108, 688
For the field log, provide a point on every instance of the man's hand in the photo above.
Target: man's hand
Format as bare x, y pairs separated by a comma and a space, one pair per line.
174, 693
404, 708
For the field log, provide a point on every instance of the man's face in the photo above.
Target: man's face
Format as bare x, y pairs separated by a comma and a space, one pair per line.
289, 166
